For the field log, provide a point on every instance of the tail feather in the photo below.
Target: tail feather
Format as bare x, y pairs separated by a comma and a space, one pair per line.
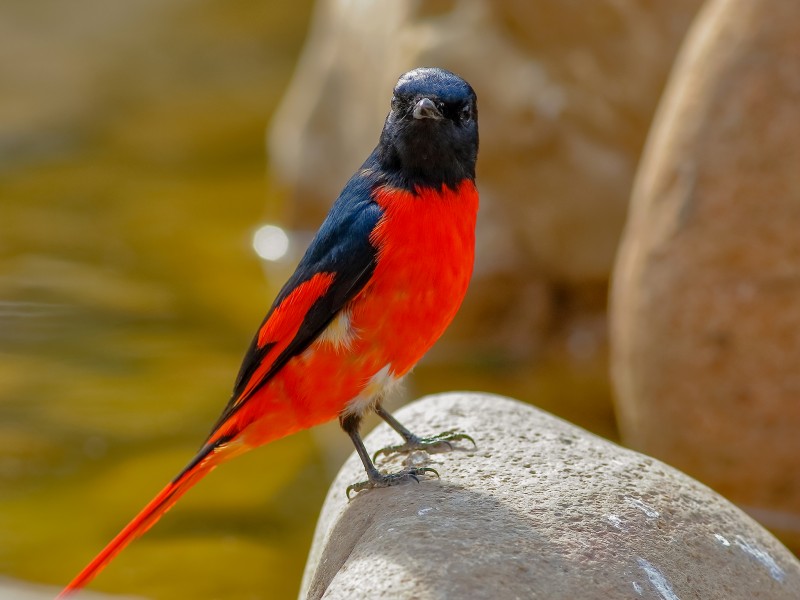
205, 461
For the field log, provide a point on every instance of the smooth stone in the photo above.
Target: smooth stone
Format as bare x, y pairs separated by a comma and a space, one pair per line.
541, 509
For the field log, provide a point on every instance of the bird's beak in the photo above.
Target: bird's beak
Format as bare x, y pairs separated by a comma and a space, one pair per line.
426, 109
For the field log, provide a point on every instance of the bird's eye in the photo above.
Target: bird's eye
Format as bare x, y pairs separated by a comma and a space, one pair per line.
465, 114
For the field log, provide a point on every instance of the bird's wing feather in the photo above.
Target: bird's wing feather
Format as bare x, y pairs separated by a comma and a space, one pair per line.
335, 268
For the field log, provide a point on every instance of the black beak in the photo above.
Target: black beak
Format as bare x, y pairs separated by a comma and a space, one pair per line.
426, 109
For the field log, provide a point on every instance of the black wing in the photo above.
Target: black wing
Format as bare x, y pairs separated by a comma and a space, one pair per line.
341, 247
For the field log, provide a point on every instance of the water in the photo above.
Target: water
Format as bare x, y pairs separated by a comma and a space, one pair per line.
131, 181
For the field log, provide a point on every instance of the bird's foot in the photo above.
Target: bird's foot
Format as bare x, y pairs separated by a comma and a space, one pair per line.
379, 480
436, 443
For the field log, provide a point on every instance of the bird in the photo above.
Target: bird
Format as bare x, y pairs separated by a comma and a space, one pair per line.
379, 283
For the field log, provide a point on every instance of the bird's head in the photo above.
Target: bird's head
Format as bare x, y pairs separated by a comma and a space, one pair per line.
431, 133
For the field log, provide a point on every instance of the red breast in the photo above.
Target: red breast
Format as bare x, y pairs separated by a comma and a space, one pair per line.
426, 247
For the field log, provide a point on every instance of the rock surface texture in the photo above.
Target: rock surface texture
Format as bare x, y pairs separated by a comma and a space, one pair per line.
706, 299
540, 509
566, 94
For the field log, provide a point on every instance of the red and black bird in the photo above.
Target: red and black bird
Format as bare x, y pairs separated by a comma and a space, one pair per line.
380, 282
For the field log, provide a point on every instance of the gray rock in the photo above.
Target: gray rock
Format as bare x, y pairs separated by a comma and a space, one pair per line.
541, 509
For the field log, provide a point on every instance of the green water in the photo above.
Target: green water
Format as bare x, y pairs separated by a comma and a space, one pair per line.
131, 182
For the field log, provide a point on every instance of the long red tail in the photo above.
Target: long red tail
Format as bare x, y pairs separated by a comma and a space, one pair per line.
206, 460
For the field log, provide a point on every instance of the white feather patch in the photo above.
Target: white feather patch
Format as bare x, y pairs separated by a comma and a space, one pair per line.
377, 386
340, 333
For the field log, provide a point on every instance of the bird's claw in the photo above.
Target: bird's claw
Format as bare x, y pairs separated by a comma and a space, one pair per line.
381, 481
434, 443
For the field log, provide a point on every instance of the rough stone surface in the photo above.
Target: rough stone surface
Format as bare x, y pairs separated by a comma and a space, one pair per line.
566, 93
706, 299
541, 509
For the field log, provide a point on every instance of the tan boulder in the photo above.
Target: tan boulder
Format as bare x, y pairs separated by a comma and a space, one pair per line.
706, 299
541, 509
566, 93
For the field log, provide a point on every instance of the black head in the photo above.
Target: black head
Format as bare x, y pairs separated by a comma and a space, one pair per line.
431, 134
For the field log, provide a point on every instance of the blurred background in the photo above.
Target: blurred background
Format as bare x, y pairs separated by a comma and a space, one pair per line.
162, 166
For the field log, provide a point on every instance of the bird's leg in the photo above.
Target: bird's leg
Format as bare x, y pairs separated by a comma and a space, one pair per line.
435, 443
376, 479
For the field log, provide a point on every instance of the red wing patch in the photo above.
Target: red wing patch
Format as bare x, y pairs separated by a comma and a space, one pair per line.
284, 323
287, 317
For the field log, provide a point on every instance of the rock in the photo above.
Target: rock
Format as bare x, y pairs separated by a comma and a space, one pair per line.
541, 509
566, 93
13, 589
705, 306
